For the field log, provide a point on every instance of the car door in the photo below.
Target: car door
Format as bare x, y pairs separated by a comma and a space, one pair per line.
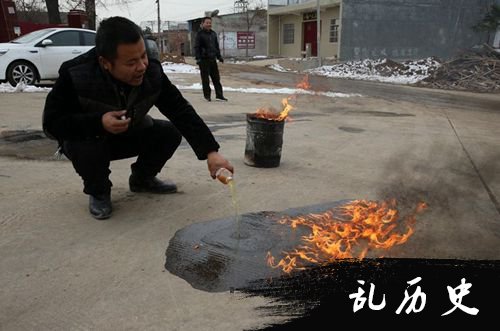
65, 46
88, 40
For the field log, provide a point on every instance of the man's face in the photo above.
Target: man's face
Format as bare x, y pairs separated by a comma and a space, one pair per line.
130, 63
207, 24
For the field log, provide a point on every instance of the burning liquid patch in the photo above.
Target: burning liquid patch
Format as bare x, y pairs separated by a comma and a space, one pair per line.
210, 257
347, 232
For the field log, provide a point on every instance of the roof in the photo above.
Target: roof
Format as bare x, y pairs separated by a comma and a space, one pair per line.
302, 7
230, 14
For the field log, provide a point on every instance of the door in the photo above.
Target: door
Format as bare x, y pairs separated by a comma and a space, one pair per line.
310, 37
65, 46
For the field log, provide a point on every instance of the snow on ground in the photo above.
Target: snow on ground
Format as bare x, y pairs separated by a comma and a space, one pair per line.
234, 61
382, 70
7, 88
284, 90
179, 68
279, 68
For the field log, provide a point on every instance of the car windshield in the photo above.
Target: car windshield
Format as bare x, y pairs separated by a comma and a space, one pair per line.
27, 38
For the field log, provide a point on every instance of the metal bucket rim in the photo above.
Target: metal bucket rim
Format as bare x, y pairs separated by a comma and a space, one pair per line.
252, 117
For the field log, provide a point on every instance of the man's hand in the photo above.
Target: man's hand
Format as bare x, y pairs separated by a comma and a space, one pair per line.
216, 161
112, 121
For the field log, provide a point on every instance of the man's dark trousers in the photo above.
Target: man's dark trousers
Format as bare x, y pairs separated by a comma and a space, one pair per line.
208, 67
91, 157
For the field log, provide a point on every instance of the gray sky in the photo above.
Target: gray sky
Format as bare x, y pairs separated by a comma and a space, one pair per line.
170, 10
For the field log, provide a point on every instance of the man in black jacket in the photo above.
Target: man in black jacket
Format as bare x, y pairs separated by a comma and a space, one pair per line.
206, 48
98, 109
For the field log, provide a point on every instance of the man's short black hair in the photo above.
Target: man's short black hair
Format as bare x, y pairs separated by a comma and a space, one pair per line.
205, 18
114, 31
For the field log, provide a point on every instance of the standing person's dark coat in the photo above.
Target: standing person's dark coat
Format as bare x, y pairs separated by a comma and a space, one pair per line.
206, 48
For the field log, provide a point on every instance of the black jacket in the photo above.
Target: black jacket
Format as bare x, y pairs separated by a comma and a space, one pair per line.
206, 45
84, 92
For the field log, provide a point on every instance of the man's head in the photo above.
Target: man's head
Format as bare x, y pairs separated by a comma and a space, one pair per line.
206, 23
121, 51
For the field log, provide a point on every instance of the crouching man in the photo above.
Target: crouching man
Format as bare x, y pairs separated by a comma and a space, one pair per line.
98, 107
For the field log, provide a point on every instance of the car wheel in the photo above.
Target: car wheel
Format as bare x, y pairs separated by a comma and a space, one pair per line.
21, 72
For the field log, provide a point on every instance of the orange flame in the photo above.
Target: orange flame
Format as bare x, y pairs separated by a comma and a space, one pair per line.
270, 113
304, 83
363, 225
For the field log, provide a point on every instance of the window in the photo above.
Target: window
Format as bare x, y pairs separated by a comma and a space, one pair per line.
334, 31
288, 33
66, 38
88, 38
27, 38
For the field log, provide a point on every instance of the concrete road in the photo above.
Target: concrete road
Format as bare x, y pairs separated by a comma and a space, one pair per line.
60, 269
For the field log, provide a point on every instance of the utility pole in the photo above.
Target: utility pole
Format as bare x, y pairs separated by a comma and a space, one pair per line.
159, 28
241, 6
318, 32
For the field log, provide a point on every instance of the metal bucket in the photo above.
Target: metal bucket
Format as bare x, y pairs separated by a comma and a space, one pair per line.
264, 142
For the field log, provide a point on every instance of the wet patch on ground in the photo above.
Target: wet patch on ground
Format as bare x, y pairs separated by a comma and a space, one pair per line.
378, 113
214, 122
228, 119
268, 77
216, 127
219, 137
351, 129
27, 144
211, 256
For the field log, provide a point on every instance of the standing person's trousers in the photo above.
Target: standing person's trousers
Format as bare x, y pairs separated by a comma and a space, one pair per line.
91, 158
208, 68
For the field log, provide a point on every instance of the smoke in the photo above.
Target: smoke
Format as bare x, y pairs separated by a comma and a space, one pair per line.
446, 179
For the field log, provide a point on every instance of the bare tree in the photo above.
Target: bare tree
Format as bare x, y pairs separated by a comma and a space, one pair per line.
53, 11
54, 7
30, 8
90, 11
253, 12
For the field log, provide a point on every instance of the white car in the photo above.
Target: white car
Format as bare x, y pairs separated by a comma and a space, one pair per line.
38, 55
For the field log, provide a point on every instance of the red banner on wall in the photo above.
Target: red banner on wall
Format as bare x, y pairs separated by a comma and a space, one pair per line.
245, 40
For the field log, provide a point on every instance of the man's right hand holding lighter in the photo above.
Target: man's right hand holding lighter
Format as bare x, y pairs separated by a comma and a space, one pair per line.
115, 121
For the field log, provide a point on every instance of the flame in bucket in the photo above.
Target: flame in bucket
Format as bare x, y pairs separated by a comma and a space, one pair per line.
272, 114
360, 226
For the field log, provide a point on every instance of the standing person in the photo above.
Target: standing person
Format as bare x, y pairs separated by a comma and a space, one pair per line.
98, 107
206, 49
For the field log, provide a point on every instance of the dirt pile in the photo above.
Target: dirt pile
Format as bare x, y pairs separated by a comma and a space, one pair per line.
388, 67
174, 58
477, 71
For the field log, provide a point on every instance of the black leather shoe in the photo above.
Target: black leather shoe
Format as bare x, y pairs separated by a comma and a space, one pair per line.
151, 185
100, 206
208, 99
221, 98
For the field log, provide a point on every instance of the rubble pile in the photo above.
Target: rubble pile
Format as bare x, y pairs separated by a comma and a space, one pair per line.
382, 70
423, 67
173, 58
477, 71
